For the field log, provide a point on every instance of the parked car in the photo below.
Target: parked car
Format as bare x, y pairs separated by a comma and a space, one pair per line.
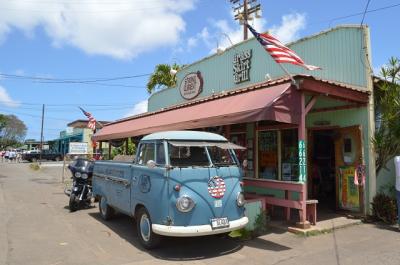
34, 156
181, 184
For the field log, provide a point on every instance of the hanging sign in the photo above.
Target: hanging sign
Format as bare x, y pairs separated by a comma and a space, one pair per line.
78, 148
302, 161
241, 66
191, 85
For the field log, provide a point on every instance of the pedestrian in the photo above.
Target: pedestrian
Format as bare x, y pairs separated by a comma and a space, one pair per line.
6, 155
18, 157
397, 165
12, 155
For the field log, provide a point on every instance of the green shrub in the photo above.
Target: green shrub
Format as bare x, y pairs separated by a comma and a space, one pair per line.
34, 166
384, 208
260, 224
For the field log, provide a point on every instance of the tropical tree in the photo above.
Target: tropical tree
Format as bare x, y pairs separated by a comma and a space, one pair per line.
161, 77
386, 140
12, 131
121, 149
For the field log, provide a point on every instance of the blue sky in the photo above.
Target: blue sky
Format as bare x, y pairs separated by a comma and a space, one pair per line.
96, 39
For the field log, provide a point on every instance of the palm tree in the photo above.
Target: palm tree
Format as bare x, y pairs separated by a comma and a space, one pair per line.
387, 111
161, 77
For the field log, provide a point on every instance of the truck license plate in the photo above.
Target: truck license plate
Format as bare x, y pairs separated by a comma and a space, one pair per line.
219, 223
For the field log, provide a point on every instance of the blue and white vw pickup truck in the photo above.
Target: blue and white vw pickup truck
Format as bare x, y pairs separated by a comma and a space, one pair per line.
181, 184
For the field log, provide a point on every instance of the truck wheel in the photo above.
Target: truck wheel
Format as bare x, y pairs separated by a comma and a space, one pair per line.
106, 211
145, 233
73, 204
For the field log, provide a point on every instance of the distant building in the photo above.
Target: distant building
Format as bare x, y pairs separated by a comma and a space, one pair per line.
77, 131
32, 144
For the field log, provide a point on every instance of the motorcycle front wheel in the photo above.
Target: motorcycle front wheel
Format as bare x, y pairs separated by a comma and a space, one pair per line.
73, 203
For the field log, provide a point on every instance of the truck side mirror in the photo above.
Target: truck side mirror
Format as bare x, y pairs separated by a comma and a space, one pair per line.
151, 164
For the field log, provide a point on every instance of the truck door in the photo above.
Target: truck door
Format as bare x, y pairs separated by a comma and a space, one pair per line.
149, 180
119, 181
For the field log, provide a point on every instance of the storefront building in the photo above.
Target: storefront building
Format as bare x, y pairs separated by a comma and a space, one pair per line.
77, 131
305, 139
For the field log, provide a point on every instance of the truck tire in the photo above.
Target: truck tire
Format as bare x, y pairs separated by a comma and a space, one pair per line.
73, 204
147, 238
106, 211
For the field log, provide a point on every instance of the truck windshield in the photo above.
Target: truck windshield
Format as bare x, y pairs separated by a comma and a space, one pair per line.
187, 155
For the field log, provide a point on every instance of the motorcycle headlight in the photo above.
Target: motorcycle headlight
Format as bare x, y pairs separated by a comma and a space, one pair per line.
84, 176
77, 174
240, 199
185, 204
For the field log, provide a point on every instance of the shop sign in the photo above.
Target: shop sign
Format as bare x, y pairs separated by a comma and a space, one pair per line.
77, 148
241, 66
191, 85
302, 161
348, 191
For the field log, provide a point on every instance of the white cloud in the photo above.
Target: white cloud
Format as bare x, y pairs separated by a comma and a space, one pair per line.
290, 27
287, 31
6, 100
122, 29
140, 107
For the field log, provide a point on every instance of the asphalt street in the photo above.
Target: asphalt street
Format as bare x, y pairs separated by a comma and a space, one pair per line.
36, 227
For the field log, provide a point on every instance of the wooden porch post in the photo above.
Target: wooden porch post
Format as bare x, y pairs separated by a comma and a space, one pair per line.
109, 150
126, 146
227, 132
302, 162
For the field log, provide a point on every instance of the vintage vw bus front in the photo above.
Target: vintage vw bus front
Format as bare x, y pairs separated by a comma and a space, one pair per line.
205, 182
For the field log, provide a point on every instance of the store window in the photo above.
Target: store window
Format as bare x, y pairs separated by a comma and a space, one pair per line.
289, 155
268, 154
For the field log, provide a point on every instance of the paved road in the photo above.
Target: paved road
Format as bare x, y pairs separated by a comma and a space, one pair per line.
37, 228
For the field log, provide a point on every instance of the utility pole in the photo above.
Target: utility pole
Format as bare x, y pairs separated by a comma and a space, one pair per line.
243, 12
41, 136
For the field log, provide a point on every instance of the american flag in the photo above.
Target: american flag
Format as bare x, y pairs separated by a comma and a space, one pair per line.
216, 187
279, 52
92, 121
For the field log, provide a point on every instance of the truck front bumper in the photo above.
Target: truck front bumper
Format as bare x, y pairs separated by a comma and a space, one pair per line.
198, 230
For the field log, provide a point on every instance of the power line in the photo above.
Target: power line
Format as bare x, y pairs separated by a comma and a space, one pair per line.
357, 14
365, 11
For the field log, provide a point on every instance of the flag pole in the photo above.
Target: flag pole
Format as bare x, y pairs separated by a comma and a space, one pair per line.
280, 65
287, 72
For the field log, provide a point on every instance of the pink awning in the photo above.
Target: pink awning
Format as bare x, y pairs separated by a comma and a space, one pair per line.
277, 103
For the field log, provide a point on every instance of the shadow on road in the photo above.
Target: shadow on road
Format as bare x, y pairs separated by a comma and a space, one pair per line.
263, 244
173, 248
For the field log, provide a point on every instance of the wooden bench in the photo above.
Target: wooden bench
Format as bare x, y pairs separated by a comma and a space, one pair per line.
311, 211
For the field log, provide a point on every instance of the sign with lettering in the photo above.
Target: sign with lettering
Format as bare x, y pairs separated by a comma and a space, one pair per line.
241, 66
77, 148
302, 161
191, 85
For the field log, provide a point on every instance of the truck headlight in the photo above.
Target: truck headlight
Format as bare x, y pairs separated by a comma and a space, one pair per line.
77, 174
185, 204
240, 199
84, 176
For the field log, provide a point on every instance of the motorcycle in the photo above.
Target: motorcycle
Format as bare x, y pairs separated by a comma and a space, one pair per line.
80, 194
